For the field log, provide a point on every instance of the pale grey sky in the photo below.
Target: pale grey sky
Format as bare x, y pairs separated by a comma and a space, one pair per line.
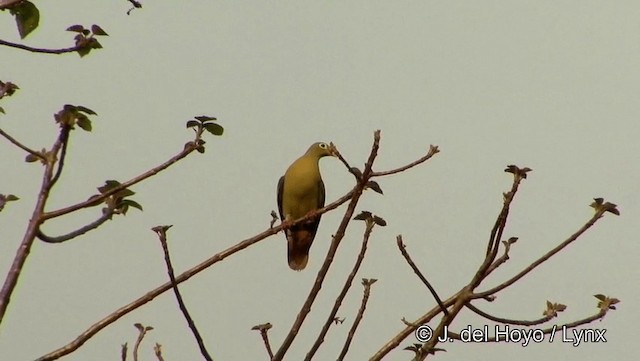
549, 85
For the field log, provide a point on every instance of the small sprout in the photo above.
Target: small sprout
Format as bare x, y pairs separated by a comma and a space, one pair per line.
601, 206
338, 320
72, 115
363, 216
7, 89
417, 347
518, 172
274, 218
379, 221
605, 303
4, 199
373, 185
142, 328
553, 309
157, 349
262, 327
368, 281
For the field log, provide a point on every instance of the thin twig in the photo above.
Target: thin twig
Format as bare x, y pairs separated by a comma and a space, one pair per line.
264, 329
30, 234
64, 138
343, 293
161, 231
149, 296
22, 146
407, 257
433, 150
41, 50
363, 306
80, 231
335, 242
546, 331
188, 149
142, 331
508, 321
540, 260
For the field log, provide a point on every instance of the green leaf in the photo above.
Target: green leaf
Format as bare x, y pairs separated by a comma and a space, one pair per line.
97, 30
84, 122
130, 203
83, 51
205, 118
86, 110
27, 17
192, 123
213, 128
108, 185
95, 44
76, 28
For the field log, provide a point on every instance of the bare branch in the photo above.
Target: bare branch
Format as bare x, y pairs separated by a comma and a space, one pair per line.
363, 306
30, 234
142, 331
540, 260
149, 296
161, 231
506, 320
108, 213
264, 328
15, 142
433, 150
41, 50
343, 293
188, 149
415, 269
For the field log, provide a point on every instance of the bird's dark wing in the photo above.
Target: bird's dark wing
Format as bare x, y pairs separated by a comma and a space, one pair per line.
279, 196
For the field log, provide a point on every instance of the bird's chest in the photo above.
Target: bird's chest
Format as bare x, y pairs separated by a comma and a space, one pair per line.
302, 183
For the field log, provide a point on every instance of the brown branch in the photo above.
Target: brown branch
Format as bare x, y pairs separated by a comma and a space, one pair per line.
415, 269
540, 260
335, 242
549, 330
343, 293
22, 146
64, 138
411, 328
161, 231
363, 306
264, 328
41, 50
30, 234
157, 350
142, 331
108, 213
506, 320
123, 352
149, 296
188, 149
433, 150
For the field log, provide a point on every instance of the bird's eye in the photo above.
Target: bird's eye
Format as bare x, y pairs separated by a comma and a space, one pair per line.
323, 145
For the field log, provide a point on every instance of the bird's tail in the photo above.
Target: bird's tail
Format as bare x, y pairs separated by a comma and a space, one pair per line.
298, 245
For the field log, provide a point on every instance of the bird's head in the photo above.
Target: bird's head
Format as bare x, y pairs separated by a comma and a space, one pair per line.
320, 149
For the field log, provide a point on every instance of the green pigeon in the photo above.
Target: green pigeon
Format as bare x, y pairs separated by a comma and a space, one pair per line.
301, 191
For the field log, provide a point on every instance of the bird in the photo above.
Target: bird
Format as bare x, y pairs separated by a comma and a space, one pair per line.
300, 192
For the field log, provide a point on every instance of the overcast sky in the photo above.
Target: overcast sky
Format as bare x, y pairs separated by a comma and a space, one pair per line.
549, 85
